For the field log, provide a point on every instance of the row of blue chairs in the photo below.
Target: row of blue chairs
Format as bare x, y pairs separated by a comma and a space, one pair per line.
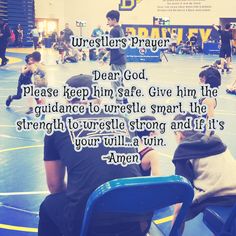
142, 195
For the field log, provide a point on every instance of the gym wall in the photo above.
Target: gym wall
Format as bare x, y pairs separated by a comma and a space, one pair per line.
94, 12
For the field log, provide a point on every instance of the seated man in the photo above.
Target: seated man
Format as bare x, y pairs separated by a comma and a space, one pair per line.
72, 55
61, 213
207, 163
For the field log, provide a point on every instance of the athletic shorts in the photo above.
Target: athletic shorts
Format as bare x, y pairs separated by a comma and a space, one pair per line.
225, 52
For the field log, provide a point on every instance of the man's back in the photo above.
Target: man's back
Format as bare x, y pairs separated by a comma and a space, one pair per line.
86, 170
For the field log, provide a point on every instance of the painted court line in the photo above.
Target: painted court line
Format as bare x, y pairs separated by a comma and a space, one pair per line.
19, 138
21, 148
23, 193
18, 228
21, 210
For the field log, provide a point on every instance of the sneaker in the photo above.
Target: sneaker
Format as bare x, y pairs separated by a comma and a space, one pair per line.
4, 62
8, 101
227, 71
30, 111
222, 71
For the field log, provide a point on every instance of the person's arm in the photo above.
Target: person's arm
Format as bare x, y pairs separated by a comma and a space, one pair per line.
210, 103
25, 69
150, 160
54, 168
177, 208
216, 27
55, 174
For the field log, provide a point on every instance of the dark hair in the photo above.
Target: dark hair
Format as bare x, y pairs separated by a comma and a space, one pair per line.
212, 77
36, 56
27, 57
113, 15
227, 26
143, 133
79, 81
184, 117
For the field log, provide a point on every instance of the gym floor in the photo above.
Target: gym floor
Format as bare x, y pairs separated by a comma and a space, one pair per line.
22, 177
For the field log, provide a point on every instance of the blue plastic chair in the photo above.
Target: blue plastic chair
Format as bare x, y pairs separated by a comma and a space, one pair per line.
139, 195
220, 220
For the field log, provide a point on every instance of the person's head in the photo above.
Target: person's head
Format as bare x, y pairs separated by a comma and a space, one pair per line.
67, 26
174, 31
146, 132
227, 26
34, 27
113, 18
29, 59
181, 135
61, 33
85, 81
36, 57
210, 76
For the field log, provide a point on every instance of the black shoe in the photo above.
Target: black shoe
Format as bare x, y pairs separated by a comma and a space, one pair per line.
8, 101
4, 62
222, 71
227, 71
30, 111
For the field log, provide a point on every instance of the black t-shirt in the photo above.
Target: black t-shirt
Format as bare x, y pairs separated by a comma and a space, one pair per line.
5, 31
226, 37
67, 34
86, 171
193, 39
117, 56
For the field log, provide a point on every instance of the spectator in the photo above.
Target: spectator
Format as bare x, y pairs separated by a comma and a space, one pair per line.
67, 33
61, 212
35, 37
19, 33
4, 36
174, 40
97, 32
208, 165
149, 156
226, 46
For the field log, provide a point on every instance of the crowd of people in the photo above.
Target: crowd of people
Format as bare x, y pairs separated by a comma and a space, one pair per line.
198, 154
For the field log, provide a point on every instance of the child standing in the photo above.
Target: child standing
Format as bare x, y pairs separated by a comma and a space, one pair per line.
117, 56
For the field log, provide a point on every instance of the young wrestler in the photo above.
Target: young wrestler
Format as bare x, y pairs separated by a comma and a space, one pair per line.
149, 156
207, 163
39, 77
24, 79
